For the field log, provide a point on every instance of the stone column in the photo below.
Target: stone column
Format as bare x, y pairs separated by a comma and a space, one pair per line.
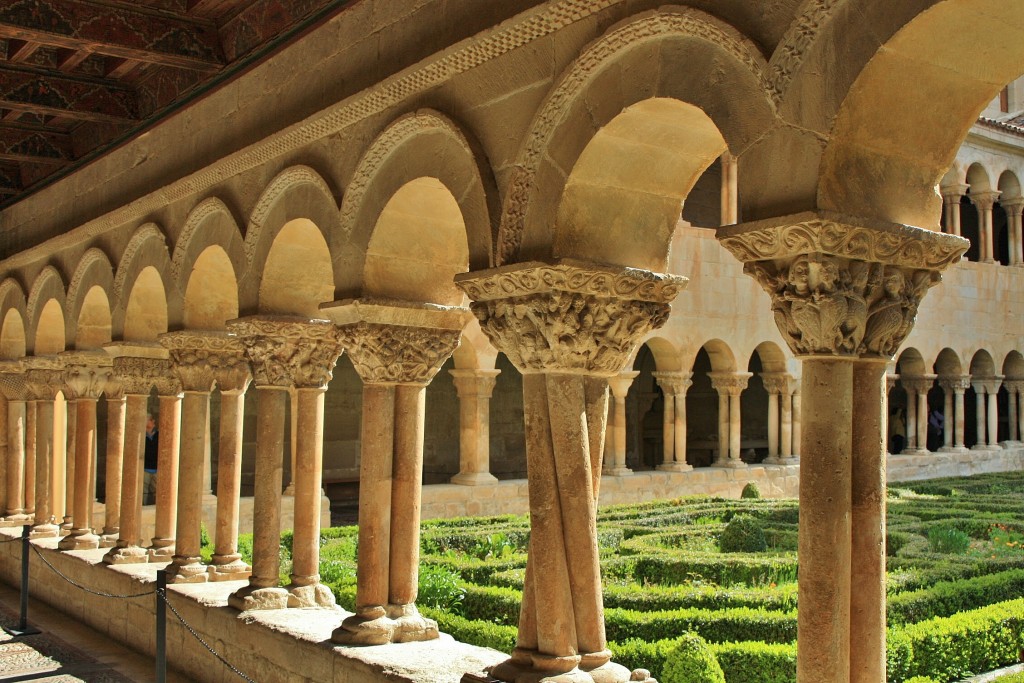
69, 466
992, 390
786, 431
979, 415
911, 446
619, 386
917, 412
168, 389
12, 382
114, 462
136, 368
1013, 387
31, 432
567, 327
474, 388
730, 386
948, 413
730, 185
1013, 208
951, 195
287, 352
194, 355
4, 451
797, 420
959, 386
43, 379
777, 384
983, 202
674, 385
845, 294
232, 380
85, 375
396, 350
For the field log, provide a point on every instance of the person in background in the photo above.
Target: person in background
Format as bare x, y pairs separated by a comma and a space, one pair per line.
149, 461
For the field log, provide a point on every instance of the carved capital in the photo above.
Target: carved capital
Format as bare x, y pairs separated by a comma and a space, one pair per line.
777, 383
984, 200
674, 383
921, 384
841, 286
138, 376
1014, 386
396, 354
730, 383
43, 383
474, 383
287, 351
12, 380
569, 316
955, 384
987, 385
951, 194
86, 373
198, 357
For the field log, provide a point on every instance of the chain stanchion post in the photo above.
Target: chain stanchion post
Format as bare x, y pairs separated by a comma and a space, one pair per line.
23, 628
161, 626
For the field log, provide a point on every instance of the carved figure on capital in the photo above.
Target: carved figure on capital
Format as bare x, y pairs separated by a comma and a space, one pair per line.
397, 354
289, 352
199, 357
43, 378
86, 374
138, 376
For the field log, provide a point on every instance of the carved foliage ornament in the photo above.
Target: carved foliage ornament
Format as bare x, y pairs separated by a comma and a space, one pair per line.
200, 359
289, 352
43, 383
86, 375
569, 317
397, 354
138, 376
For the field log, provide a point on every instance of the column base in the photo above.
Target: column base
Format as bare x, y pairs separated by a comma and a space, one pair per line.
730, 464
616, 472
773, 460
79, 539
186, 570
675, 467
18, 519
163, 553
229, 568
523, 668
108, 539
983, 447
954, 449
312, 595
126, 554
253, 598
44, 531
474, 478
375, 626
915, 451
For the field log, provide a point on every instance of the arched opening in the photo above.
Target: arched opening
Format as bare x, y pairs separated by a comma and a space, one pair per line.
211, 295
50, 333
702, 403
645, 410
146, 311
753, 412
297, 275
1010, 201
508, 437
93, 329
982, 368
12, 336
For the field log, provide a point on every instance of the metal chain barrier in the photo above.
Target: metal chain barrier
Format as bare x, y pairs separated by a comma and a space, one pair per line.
163, 596
86, 589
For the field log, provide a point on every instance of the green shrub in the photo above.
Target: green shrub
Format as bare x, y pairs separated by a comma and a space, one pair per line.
692, 661
440, 588
750, 491
920, 679
743, 534
757, 662
945, 598
948, 541
473, 631
716, 626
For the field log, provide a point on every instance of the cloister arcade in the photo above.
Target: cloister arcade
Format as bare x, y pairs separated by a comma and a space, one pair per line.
461, 269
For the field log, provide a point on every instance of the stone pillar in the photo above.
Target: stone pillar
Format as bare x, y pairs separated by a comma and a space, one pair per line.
1013, 208
730, 386
992, 390
114, 462
845, 295
85, 375
31, 432
136, 368
232, 379
69, 464
949, 413
43, 379
979, 415
917, 412
474, 388
619, 386
983, 202
959, 385
4, 451
12, 382
911, 446
1013, 387
567, 327
396, 350
730, 185
951, 196
287, 352
797, 420
786, 431
168, 389
674, 385
780, 436
194, 355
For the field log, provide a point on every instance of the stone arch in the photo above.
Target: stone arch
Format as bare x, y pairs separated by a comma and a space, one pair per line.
12, 328
982, 364
94, 271
1008, 185
423, 144
418, 246
910, 363
296, 194
140, 286
948, 364
297, 275
978, 178
1013, 365
644, 69
666, 356
885, 166
209, 223
772, 357
49, 329
721, 355
145, 312
211, 290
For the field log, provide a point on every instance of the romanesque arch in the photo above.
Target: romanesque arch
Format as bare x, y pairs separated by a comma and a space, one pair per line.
140, 287
12, 328
210, 290
45, 312
297, 273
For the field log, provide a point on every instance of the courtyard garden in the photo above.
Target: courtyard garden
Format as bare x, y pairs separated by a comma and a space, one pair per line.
716, 579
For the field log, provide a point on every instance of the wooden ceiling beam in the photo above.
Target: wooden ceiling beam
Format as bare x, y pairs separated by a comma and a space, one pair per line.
21, 50
40, 147
68, 60
54, 95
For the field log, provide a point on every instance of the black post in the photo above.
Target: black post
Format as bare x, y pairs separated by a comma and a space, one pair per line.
23, 628
161, 627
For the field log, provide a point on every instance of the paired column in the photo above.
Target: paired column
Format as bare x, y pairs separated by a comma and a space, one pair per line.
397, 351
1014, 387
474, 388
953, 427
287, 352
951, 196
12, 382
568, 327
986, 412
114, 462
983, 202
917, 412
615, 446
730, 386
43, 379
845, 295
674, 386
169, 392
780, 418
1013, 208
85, 376
69, 463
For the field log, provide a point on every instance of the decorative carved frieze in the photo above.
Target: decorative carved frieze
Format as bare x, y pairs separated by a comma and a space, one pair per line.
729, 383
12, 380
569, 316
85, 373
287, 351
674, 383
139, 376
44, 378
841, 287
198, 357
